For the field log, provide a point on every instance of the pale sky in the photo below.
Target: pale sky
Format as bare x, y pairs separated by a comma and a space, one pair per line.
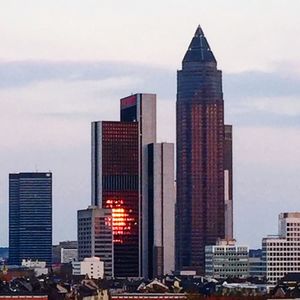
65, 63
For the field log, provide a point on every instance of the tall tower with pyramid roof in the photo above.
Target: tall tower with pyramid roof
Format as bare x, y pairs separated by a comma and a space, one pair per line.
200, 155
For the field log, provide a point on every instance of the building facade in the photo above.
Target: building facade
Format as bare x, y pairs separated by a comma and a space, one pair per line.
256, 264
95, 236
161, 209
65, 252
118, 190
141, 108
30, 217
281, 253
228, 182
91, 266
200, 216
120, 180
226, 259
39, 267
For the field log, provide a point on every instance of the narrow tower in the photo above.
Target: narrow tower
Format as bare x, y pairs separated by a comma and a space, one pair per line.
200, 155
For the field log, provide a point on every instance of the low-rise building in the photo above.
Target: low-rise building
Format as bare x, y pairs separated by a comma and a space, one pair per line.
226, 259
256, 264
39, 267
65, 252
281, 253
91, 266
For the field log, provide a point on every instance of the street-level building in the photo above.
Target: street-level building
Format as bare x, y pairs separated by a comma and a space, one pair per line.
226, 259
281, 253
256, 264
39, 267
91, 266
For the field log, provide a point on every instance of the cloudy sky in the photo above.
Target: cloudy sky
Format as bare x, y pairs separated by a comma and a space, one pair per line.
65, 63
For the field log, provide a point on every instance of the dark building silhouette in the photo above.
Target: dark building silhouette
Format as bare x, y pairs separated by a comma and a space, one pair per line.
30, 217
200, 216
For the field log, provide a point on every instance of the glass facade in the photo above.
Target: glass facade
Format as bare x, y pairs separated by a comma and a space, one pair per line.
120, 192
200, 155
30, 217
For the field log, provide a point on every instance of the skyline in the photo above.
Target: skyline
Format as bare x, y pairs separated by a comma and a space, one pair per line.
49, 100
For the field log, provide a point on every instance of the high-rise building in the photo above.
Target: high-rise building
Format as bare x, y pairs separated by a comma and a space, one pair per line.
120, 179
281, 253
117, 188
141, 108
95, 238
228, 186
161, 209
200, 219
30, 217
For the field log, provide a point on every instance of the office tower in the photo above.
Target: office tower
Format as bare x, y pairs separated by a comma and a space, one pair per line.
30, 217
200, 155
141, 108
161, 209
120, 179
228, 182
95, 238
118, 189
281, 253
225, 259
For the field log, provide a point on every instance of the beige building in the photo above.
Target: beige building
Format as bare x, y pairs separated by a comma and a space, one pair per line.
281, 253
91, 266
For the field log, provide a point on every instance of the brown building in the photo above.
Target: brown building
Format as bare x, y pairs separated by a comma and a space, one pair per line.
119, 189
200, 216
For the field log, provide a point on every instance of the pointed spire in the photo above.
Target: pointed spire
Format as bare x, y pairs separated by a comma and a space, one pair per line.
199, 31
199, 49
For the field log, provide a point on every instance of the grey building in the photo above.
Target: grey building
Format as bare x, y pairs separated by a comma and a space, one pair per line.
65, 252
95, 238
226, 259
30, 217
161, 209
256, 264
228, 182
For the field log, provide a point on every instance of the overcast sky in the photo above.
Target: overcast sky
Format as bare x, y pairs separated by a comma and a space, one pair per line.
65, 63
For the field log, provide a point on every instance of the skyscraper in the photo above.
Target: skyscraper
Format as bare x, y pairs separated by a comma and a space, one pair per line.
116, 185
120, 179
161, 209
30, 217
228, 186
200, 216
